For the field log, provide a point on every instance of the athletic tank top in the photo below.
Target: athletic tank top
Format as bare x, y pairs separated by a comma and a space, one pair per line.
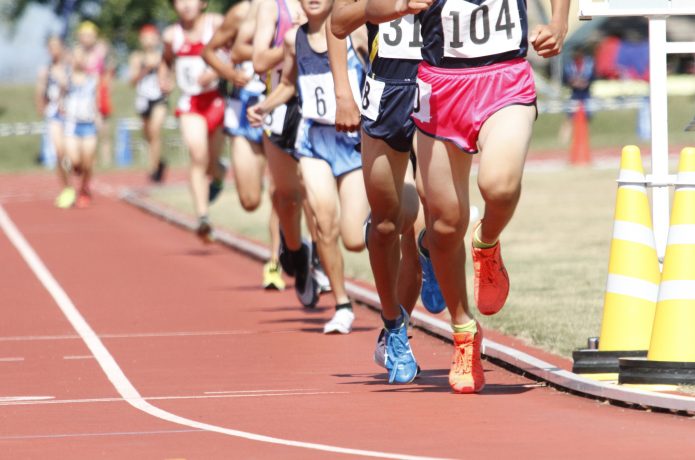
395, 48
81, 101
316, 88
148, 86
189, 63
282, 25
473, 33
52, 95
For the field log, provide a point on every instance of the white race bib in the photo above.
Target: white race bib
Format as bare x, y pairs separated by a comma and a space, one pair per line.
371, 98
473, 31
232, 114
421, 108
188, 71
318, 96
275, 120
400, 38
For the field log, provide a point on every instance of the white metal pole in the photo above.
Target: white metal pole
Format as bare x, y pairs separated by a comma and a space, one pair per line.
659, 123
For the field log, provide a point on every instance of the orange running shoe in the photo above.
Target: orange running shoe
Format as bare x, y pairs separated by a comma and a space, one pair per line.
491, 281
83, 200
467, 374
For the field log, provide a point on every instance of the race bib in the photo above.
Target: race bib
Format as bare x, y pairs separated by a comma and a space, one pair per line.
421, 108
188, 71
232, 114
275, 120
400, 38
318, 96
473, 31
371, 98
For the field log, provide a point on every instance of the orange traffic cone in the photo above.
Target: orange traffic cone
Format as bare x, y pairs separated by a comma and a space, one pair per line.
633, 277
671, 358
579, 150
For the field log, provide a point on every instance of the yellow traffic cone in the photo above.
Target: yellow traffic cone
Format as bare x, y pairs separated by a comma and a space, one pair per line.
633, 277
671, 357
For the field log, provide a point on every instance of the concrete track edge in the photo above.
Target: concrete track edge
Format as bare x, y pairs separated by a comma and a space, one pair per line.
508, 357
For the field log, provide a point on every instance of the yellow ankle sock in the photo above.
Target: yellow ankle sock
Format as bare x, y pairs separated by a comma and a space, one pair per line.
480, 244
471, 326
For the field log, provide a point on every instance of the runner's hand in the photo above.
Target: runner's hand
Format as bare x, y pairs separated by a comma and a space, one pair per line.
166, 85
255, 115
548, 39
239, 78
347, 114
415, 6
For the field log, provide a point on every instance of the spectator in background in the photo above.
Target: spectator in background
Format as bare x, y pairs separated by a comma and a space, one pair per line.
51, 86
150, 101
99, 65
578, 73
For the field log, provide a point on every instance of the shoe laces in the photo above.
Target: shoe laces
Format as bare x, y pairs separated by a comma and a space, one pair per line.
396, 343
489, 266
463, 360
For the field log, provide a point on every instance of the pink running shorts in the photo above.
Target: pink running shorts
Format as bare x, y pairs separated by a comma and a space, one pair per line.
453, 104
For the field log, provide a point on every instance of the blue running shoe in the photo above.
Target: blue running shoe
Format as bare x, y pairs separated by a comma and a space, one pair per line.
431, 295
398, 358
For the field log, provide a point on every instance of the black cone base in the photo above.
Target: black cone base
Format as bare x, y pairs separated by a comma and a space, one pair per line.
643, 371
601, 362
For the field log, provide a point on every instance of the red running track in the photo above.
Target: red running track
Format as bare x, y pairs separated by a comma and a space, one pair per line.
197, 339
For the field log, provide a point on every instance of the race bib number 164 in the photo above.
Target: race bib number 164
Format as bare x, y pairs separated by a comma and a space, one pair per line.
472, 31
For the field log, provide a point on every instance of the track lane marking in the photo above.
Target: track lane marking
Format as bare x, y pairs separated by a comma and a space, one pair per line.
85, 435
12, 359
118, 378
18, 401
30, 338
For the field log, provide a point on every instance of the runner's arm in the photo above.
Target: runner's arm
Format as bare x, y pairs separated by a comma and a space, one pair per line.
547, 39
378, 11
164, 73
242, 50
347, 114
222, 36
40, 93
347, 16
287, 87
135, 69
264, 56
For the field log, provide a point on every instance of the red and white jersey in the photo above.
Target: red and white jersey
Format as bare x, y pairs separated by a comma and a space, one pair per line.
189, 63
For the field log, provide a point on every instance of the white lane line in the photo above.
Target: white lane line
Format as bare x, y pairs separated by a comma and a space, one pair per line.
76, 357
119, 380
31, 402
86, 435
257, 391
29, 338
11, 360
11, 399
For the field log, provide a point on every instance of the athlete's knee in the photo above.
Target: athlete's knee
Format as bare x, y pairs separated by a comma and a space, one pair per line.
501, 189
250, 201
384, 230
327, 226
447, 228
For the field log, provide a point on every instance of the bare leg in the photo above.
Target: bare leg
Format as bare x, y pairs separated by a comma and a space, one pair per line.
287, 195
153, 134
445, 177
194, 133
384, 171
248, 164
503, 153
322, 195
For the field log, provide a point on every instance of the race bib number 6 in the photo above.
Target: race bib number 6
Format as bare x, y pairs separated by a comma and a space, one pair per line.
400, 38
472, 31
